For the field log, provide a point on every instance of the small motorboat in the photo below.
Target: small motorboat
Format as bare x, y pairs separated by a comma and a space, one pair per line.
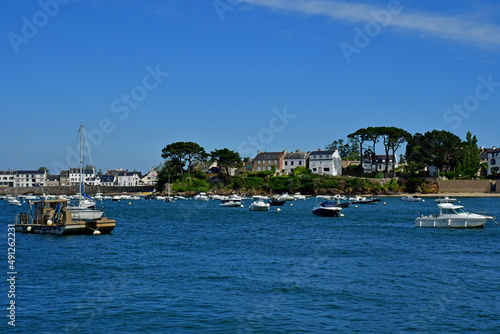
276, 202
230, 203
259, 206
343, 204
365, 200
411, 198
446, 199
327, 209
453, 216
14, 202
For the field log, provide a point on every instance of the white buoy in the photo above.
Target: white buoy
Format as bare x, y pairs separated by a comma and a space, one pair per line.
385, 203
355, 206
291, 204
28, 229
423, 200
242, 206
96, 232
341, 215
278, 210
129, 203
49, 222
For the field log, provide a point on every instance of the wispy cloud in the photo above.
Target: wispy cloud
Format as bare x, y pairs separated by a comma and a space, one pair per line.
465, 29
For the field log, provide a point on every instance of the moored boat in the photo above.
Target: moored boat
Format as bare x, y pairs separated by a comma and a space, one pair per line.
452, 216
365, 200
230, 203
327, 209
54, 217
411, 198
259, 206
446, 199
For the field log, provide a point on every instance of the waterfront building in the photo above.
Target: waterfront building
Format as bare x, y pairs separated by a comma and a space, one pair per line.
264, 161
325, 162
296, 159
377, 163
151, 178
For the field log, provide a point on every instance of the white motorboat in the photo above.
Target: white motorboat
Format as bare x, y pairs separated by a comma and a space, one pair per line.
201, 197
298, 196
446, 199
286, 197
14, 202
230, 203
411, 198
259, 206
453, 216
260, 197
327, 209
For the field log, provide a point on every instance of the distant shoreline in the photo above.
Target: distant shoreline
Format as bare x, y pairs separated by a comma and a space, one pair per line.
461, 194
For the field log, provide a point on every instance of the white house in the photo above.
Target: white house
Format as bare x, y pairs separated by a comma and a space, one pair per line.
107, 180
151, 178
295, 159
30, 178
129, 179
88, 176
493, 160
378, 164
325, 162
7, 178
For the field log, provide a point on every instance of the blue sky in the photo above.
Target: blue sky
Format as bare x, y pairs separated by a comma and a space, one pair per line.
246, 75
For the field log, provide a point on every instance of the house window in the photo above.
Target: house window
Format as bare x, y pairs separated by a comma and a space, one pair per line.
269, 168
300, 163
258, 169
314, 169
291, 162
326, 169
493, 162
269, 161
286, 163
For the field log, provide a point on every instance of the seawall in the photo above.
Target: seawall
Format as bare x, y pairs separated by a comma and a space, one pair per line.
72, 190
467, 186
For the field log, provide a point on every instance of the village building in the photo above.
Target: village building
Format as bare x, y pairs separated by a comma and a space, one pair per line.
325, 162
265, 161
296, 159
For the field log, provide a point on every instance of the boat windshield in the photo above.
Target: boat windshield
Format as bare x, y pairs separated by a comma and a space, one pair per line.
459, 211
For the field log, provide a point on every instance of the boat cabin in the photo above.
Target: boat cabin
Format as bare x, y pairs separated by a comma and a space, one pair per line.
450, 209
54, 210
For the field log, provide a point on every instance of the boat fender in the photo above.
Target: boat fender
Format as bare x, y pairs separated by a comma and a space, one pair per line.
38, 228
48, 228
43, 229
342, 215
57, 228
28, 228
24, 228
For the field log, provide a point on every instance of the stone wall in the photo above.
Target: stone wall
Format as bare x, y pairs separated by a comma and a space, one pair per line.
72, 190
465, 186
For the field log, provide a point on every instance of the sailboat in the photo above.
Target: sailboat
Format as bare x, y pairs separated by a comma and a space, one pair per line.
85, 209
169, 198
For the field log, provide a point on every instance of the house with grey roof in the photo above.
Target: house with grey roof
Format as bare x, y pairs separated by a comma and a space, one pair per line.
295, 159
264, 161
325, 162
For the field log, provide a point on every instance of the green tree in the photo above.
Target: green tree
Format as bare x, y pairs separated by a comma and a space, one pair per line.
184, 153
360, 136
226, 159
44, 169
393, 138
438, 148
470, 158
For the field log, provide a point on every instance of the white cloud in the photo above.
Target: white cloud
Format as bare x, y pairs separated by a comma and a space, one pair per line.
464, 29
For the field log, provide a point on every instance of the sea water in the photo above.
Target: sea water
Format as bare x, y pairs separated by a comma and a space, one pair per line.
194, 267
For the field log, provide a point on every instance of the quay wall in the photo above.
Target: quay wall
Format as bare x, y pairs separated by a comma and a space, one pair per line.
466, 186
72, 190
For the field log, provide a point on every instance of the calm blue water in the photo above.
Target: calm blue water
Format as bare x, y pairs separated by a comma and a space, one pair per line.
192, 267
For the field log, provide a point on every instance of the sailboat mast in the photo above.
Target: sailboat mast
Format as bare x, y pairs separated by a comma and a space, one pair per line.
81, 162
